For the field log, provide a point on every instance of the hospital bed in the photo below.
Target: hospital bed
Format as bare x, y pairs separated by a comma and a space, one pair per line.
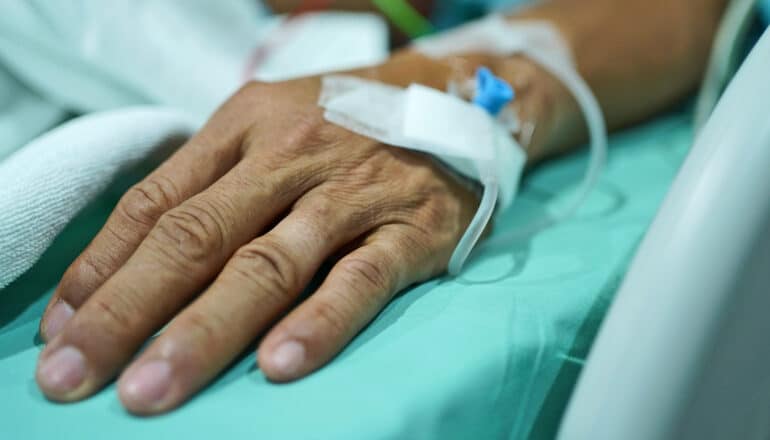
496, 352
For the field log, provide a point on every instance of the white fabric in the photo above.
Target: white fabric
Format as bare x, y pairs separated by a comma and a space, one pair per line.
54, 177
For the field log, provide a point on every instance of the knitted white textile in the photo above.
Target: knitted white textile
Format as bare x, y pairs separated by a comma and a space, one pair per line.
55, 176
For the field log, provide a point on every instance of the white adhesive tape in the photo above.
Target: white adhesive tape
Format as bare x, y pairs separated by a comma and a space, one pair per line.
448, 124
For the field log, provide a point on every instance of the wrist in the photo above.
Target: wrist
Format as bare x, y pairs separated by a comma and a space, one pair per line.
550, 118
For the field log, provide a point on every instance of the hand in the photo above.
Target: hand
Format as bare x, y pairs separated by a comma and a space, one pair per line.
246, 212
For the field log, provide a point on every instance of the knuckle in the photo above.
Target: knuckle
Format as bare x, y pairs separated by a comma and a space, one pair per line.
374, 168
330, 199
438, 212
332, 315
82, 278
207, 326
117, 238
190, 234
268, 267
254, 179
318, 203
146, 201
350, 196
310, 133
315, 221
438, 215
309, 127
418, 244
359, 271
116, 311
425, 254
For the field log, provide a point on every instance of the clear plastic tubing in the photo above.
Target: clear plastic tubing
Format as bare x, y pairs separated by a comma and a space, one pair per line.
597, 130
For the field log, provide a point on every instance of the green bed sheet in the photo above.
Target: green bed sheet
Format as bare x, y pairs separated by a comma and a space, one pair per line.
493, 354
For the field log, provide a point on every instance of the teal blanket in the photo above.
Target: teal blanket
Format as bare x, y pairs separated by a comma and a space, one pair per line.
493, 354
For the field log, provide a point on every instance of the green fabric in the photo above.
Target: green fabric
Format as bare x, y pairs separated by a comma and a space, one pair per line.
491, 355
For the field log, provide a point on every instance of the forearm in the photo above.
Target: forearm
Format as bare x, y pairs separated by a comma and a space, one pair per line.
638, 56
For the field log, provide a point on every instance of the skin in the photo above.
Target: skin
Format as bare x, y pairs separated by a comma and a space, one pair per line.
218, 243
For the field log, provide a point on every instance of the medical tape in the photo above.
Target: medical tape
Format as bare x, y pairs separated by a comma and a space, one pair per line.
464, 136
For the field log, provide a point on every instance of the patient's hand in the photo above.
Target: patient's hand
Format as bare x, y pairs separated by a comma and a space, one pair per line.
246, 213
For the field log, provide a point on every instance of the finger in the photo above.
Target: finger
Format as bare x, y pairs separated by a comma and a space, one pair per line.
201, 161
260, 282
355, 290
187, 247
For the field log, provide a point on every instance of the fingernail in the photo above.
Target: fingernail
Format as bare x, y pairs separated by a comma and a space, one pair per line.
62, 371
147, 385
288, 357
59, 314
